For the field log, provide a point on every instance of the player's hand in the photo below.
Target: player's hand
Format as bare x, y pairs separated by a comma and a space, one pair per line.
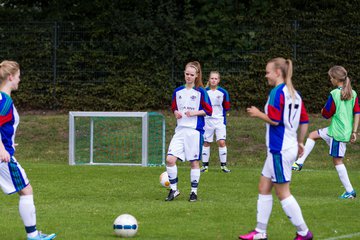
4, 155
253, 111
177, 114
301, 149
353, 137
189, 114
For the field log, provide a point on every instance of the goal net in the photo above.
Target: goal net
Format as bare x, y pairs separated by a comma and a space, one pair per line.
116, 138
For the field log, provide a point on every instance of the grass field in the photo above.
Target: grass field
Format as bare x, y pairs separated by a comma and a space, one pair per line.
81, 202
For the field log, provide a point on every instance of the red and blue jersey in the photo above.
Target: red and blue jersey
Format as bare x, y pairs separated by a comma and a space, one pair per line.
194, 99
289, 113
9, 120
220, 102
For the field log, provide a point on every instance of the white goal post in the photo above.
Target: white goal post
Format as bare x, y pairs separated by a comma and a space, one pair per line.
116, 138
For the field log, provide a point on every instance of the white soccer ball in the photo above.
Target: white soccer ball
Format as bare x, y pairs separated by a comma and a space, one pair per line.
164, 180
125, 226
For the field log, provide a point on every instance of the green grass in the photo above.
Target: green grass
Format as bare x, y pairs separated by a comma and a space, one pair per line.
81, 202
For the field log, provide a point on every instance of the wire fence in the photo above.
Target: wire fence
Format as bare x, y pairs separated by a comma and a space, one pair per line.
57, 55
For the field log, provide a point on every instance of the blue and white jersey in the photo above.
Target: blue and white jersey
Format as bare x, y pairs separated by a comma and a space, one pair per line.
9, 120
289, 113
220, 102
194, 99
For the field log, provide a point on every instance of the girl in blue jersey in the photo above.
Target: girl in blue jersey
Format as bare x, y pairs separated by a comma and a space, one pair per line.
343, 108
12, 176
216, 123
284, 114
190, 103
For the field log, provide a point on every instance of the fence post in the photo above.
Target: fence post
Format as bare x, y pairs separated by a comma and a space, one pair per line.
296, 25
55, 45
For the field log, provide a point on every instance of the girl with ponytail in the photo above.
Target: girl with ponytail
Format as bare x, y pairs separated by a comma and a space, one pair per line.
190, 103
285, 113
343, 108
13, 178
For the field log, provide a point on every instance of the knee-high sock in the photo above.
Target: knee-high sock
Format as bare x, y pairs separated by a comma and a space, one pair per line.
344, 178
205, 156
293, 212
194, 178
264, 208
309, 145
28, 213
223, 155
172, 172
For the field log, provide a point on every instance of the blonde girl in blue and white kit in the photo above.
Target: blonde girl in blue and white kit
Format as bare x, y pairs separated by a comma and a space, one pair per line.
216, 123
13, 178
190, 103
286, 125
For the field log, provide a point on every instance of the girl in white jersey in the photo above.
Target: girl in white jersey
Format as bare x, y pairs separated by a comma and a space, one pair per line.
190, 103
343, 108
284, 114
12, 176
216, 123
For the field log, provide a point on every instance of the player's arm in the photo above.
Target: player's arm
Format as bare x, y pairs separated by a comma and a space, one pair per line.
329, 109
195, 113
4, 154
255, 112
356, 121
303, 128
174, 107
275, 109
205, 107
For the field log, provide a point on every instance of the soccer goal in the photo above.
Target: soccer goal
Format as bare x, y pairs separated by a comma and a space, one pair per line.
116, 138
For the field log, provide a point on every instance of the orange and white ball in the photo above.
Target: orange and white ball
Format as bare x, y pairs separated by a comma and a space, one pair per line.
164, 180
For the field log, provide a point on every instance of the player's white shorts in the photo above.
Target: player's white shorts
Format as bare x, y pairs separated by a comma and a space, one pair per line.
12, 176
336, 149
277, 166
186, 144
214, 126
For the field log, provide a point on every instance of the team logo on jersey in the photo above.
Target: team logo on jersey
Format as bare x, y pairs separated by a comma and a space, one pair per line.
218, 97
193, 97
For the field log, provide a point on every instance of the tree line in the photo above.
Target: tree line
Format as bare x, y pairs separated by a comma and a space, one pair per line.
130, 55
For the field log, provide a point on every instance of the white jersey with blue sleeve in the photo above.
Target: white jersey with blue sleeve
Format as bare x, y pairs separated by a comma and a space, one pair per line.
289, 113
220, 102
194, 99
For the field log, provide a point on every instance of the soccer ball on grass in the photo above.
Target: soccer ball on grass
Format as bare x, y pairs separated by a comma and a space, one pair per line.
125, 226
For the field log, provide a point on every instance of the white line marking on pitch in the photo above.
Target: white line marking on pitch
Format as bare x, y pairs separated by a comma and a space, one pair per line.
344, 236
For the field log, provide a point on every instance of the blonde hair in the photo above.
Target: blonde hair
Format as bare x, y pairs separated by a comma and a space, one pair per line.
196, 65
213, 72
339, 73
8, 68
286, 68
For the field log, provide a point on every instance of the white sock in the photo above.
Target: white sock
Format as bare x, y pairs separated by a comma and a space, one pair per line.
28, 214
344, 178
223, 154
172, 173
309, 145
194, 178
293, 212
205, 155
264, 208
